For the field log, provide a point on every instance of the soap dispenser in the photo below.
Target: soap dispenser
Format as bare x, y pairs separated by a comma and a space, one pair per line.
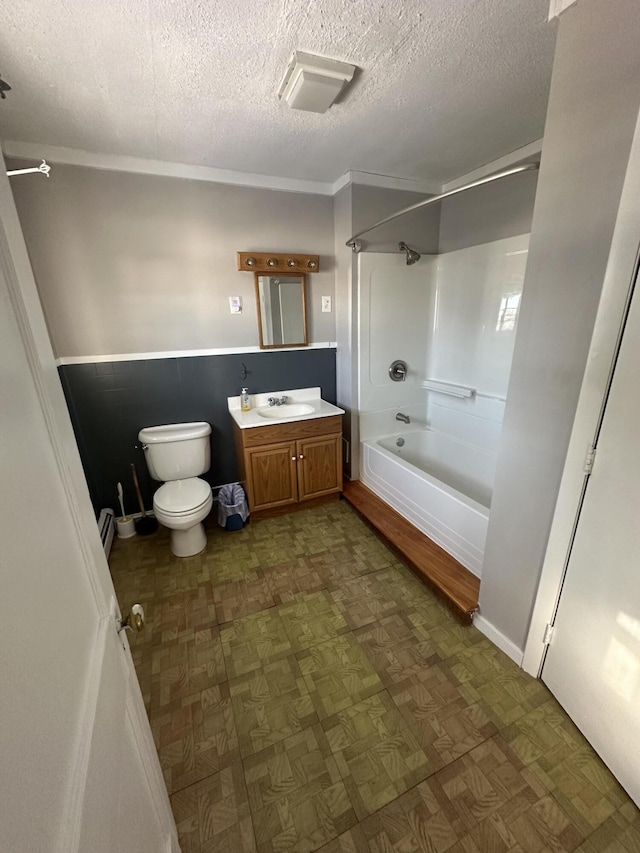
245, 401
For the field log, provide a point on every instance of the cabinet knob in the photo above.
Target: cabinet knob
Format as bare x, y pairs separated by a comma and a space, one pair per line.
293, 458
301, 456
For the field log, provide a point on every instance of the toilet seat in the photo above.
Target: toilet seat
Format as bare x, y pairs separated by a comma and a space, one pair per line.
178, 498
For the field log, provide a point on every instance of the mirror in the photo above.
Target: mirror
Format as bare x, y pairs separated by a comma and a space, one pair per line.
282, 310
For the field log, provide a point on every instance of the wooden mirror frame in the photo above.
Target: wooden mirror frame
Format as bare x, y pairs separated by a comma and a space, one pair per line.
277, 274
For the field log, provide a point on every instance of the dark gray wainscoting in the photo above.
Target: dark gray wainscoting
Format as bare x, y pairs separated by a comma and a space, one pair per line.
110, 401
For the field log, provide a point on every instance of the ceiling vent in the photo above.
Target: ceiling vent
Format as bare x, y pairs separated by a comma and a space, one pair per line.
312, 82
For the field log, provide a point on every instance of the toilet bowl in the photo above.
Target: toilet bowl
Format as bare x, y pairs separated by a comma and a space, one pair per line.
182, 506
177, 454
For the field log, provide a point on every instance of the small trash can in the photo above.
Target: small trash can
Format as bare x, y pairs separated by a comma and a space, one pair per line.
233, 509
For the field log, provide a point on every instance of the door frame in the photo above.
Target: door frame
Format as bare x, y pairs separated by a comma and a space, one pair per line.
618, 285
16, 268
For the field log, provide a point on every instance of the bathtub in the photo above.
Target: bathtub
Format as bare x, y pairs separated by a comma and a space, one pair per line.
438, 483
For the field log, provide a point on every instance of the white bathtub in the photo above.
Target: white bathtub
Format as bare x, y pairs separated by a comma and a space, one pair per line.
439, 484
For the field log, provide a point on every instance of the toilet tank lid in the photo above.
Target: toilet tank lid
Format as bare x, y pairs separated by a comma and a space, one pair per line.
174, 432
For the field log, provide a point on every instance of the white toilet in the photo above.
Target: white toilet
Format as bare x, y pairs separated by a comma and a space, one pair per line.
176, 454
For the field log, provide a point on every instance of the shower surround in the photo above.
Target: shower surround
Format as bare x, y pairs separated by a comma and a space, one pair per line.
451, 318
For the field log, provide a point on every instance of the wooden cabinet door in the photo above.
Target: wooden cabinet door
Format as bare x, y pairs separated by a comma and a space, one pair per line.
271, 475
319, 466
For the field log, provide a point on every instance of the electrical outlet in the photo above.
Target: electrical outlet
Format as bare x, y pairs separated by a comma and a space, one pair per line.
326, 304
235, 304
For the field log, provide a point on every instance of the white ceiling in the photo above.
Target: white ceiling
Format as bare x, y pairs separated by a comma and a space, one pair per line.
445, 85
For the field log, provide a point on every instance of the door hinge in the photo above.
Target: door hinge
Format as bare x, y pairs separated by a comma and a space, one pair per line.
548, 634
589, 459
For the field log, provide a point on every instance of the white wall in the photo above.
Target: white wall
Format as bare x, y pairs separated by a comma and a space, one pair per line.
477, 296
476, 308
619, 276
394, 316
446, 318
355, 207
129, 263
593, 106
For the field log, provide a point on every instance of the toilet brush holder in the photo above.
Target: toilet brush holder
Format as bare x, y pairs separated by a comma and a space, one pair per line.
125, 527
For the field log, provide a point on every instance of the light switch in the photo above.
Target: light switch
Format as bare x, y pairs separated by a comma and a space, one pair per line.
326, 304
235, 304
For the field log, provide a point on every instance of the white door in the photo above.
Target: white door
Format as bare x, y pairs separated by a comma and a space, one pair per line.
593, 662
78, 769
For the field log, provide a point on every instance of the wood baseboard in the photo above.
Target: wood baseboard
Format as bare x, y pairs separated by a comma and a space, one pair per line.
455, 586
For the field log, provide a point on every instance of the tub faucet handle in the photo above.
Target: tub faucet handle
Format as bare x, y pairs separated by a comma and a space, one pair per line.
398, 370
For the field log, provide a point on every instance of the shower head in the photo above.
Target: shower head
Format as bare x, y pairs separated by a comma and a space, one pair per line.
412, 255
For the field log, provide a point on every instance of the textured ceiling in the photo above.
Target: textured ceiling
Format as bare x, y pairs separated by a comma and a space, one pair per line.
444, 86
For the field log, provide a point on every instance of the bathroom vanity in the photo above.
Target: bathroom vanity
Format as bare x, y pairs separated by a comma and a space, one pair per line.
289, 453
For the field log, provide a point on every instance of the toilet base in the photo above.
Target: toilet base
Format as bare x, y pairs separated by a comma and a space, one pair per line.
188, 543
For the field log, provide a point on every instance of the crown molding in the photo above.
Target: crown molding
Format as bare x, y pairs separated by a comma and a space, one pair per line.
533, 149
370, 179
557, 7
162, 168
141, 166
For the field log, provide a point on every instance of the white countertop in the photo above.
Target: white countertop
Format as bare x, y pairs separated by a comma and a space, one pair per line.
309, 396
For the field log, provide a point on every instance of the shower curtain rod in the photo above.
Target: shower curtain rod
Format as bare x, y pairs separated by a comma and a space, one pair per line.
43, 168
356, 245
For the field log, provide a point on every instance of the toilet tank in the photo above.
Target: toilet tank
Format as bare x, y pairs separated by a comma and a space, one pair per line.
177, 451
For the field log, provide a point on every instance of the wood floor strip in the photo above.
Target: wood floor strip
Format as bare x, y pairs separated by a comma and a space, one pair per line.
438, 569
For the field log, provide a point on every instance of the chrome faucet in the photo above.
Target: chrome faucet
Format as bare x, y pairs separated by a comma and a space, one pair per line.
404, 418
277, 401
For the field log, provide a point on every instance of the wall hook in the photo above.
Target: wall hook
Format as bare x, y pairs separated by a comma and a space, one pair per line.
243, 370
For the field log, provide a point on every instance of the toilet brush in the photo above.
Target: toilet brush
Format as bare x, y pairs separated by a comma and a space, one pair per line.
123, 515
145, 525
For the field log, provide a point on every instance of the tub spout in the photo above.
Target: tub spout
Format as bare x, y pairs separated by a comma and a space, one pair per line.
404, 418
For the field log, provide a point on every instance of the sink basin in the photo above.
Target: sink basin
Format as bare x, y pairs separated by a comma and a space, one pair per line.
288, 410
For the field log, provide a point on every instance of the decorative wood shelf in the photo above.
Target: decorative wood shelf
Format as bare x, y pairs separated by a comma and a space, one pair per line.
455, 585
273, 262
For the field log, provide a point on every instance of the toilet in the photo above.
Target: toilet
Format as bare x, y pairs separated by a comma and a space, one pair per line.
177, 454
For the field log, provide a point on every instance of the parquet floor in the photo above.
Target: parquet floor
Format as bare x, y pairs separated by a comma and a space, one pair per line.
441, 572
306, 692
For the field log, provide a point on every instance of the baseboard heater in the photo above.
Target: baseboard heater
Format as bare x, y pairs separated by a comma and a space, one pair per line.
106, 526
